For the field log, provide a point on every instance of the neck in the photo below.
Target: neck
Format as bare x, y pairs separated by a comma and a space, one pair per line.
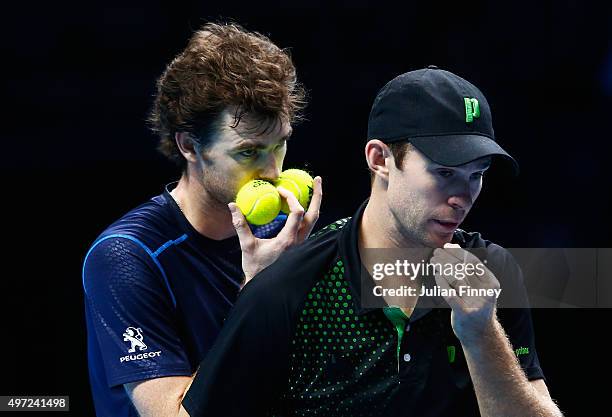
208, 216
378, 229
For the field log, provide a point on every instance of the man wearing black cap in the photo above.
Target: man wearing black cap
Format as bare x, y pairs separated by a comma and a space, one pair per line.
302, 341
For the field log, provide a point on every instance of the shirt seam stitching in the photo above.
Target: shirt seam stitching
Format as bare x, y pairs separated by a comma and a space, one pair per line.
143, 246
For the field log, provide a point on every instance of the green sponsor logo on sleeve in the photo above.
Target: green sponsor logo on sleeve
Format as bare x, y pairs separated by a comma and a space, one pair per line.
521, 351
451, 353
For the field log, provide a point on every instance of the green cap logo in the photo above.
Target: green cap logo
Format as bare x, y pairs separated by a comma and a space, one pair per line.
472, 109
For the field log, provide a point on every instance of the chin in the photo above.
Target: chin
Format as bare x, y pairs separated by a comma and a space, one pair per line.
224, 198
438, 241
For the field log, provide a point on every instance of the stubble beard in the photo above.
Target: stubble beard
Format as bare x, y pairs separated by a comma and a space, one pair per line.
219, 192
412, 222
410, 226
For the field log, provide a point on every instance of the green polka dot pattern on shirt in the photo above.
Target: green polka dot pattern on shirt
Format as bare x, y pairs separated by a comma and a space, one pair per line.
340, 361
337, 225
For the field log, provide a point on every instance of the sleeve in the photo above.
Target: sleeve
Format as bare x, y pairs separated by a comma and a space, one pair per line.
130, 311
245, 373
517, 322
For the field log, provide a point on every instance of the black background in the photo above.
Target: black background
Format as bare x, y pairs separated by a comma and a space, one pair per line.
77, 83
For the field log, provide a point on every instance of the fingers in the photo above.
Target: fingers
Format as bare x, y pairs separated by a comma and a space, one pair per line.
478, 275
294, 220
453, 301
245, 236
312, 215
462, 255
456, 251
443, 258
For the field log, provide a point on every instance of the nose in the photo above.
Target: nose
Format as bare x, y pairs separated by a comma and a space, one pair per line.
271, 170
460, 197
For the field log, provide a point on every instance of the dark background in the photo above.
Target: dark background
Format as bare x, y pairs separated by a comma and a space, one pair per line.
78, 81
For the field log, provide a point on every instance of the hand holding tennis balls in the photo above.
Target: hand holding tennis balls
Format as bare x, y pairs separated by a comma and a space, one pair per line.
258, 204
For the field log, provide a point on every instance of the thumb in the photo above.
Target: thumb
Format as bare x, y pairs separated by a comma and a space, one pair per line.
240, 224
457, 251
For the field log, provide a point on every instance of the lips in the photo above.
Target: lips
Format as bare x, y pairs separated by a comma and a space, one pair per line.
445, 226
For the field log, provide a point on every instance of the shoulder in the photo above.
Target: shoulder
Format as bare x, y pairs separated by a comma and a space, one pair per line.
313, 251
128, 247
150, 222
148, 226
330, 229
469, 240
286, 281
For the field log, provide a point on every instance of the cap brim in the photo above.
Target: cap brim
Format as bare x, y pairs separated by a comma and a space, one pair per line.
455, 150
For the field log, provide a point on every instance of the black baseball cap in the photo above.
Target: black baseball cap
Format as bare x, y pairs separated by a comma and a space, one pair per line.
442, 115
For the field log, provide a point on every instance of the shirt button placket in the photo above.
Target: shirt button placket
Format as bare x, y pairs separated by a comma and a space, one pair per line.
406, 356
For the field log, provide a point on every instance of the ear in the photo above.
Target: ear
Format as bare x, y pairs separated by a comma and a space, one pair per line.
378, 156
187, 146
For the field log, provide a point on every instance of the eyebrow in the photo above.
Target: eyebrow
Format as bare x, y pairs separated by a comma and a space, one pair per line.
484, 165
253, 143
481, 166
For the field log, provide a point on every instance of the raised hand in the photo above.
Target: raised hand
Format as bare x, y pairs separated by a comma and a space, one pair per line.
473, 310
257, 254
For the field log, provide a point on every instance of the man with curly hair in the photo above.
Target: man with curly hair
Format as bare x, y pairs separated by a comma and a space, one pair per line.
172, 267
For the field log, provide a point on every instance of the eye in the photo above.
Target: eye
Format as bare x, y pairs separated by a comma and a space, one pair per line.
445, 173
248, 153
477, 175
280, 145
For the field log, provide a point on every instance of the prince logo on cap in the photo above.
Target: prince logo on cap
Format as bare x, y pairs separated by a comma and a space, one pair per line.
472, 109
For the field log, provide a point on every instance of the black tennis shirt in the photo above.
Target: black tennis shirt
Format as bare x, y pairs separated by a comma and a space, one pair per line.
298, 342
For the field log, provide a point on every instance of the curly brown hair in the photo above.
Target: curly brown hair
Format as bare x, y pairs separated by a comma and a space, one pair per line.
223, 65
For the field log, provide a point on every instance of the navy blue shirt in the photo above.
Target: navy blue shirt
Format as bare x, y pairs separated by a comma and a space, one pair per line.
156, 295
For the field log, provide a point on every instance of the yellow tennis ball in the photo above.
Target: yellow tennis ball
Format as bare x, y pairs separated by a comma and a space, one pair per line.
259, 201
300, 183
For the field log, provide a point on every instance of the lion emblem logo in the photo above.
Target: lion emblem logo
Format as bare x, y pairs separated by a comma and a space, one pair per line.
134, 336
